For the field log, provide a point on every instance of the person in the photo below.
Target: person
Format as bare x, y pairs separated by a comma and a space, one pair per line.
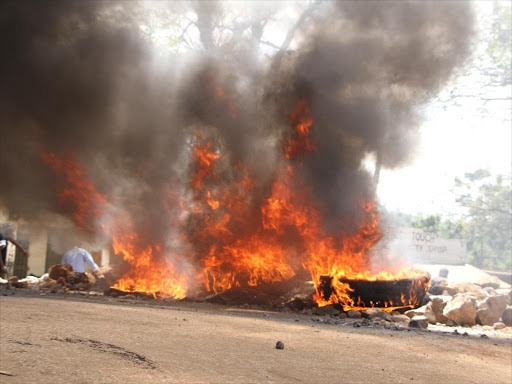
4, 241
77, 258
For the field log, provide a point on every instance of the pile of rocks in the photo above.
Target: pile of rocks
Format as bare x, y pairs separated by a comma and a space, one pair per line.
467, 304
371, 317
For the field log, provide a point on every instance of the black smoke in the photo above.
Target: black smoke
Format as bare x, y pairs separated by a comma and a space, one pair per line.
79, 79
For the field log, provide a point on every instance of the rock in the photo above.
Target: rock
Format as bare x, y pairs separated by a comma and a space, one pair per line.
474, 289
342, 316
450, 290
279, 345
416, 312
77, 278
418, 322
59, 270
354, 314
400, 318
490, 291
509, 297
133, 297
328, 310
375, 314
295, 304
462, 309
491, 309
438, 285
13, 279
506, 317
484, 336
443, 272
499, 325
489, 281
434, 309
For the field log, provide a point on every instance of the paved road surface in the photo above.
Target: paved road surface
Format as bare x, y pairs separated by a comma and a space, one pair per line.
46, 340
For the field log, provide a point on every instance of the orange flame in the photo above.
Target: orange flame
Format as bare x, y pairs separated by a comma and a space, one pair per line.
75, 192
238, 241
300, 142
150, 273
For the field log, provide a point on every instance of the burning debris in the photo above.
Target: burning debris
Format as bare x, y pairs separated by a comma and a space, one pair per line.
230, 177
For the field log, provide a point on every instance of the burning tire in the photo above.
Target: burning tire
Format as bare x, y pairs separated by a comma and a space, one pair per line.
357, 294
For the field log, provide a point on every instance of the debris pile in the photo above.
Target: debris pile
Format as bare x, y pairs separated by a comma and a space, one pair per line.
60, 278
488, 302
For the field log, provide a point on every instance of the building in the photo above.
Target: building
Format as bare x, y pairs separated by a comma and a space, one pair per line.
46, 242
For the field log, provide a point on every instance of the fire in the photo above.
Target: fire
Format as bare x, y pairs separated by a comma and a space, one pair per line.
300, 142
75, 192
238, 238
150, 273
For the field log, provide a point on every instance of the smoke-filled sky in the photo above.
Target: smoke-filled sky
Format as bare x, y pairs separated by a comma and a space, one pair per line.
81, 81
456, 137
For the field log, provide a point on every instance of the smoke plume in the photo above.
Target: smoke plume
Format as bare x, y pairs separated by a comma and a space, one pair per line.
81, 83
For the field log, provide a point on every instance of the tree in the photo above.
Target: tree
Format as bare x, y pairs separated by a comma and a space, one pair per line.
486, 79
450, 229
486, 223
487, 201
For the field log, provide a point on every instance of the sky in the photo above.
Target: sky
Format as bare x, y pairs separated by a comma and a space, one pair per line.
452, 142
455, 138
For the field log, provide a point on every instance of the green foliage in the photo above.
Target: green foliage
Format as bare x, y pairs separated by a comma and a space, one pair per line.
443, 228
487, 222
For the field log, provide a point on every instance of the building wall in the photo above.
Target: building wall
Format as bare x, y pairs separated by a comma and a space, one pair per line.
37, 249
38, 244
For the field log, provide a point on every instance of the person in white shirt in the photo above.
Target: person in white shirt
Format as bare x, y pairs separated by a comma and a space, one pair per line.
77, 257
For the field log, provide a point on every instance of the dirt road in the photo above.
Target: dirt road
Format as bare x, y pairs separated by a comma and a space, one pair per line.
45, 340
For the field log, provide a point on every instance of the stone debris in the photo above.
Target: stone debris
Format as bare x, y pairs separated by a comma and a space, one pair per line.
400, 318
416, 312
434, 309
462, 309
489, 281
376, 313
499, 325
418, 322
490, 291
474, 289
279, 345
506, 317
60, 270
491, 309
354, 314
328, 310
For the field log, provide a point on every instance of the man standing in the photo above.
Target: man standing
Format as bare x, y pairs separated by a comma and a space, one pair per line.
77, 257
4, 239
